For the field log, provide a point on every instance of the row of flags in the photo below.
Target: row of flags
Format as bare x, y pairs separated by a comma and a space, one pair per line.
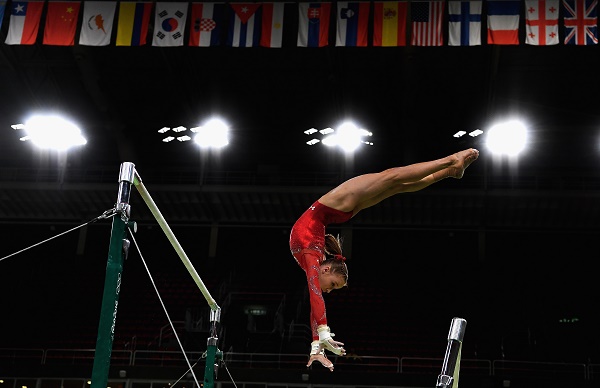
393, 23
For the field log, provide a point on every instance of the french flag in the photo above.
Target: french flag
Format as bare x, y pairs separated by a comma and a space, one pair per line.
503, 22
24, 22
313, 24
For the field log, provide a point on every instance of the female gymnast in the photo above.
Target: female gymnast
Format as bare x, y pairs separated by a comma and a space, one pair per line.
320, 254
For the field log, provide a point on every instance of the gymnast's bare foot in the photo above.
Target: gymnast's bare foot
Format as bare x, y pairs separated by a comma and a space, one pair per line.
463, 160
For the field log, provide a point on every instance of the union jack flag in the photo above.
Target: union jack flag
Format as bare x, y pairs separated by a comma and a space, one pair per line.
580, 21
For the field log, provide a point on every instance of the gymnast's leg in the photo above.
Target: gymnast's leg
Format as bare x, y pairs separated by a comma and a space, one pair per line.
367, 190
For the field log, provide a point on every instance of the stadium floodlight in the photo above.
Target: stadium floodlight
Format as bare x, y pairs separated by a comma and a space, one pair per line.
460, 134
475, 133
508, 138
347, 136
213, 134
51, 132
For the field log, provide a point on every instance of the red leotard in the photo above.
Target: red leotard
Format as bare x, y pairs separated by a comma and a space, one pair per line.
307, 243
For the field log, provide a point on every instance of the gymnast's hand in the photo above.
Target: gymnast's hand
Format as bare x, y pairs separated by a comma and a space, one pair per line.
329, 343
317, 353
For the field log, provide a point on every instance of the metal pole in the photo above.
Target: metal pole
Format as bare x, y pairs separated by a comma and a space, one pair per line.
451, 366
213, 354
118, 249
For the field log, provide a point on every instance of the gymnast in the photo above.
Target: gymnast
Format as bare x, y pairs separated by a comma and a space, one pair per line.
320, 254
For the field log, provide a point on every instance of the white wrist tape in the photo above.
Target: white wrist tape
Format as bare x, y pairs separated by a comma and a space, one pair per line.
324, 334
316, 348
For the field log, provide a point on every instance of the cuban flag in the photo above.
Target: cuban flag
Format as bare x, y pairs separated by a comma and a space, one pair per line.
352, 23
206, 24
244, 25
464, 23
24, 22
313, 24
580, 22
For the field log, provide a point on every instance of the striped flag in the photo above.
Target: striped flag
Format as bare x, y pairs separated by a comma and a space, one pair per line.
389, 23
464, 23
206, 24
503, 22
97, 23
132, 27
272, 25
2, 8
313, 24
581, 21
541, 22
169, 24
426, 17
244, 25
352, 23
24, 22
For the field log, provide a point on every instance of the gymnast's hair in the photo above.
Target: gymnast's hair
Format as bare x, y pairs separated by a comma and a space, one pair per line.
334, 257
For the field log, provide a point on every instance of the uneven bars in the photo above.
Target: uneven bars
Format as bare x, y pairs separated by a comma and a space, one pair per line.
165, 227
451, 367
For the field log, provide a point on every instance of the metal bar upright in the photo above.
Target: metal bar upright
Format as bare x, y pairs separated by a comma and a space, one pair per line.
118, 249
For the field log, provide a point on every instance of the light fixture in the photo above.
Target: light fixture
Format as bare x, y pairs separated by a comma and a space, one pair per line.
347, 136
51, 132
213, 134
475, 133
460, 134
508, 138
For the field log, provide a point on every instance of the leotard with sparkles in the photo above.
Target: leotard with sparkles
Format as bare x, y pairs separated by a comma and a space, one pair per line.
307, 244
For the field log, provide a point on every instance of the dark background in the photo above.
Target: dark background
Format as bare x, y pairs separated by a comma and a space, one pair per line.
512, 247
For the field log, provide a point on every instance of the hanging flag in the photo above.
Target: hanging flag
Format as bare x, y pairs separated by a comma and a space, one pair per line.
2, 8
169, 24
97, 23
464, 23
61, 23
503, 22
389, 23
541, 22
313, 24
580, 22
426, 18
352, 23
206, 24
272, 25
244, 25
24, 22
132, 27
